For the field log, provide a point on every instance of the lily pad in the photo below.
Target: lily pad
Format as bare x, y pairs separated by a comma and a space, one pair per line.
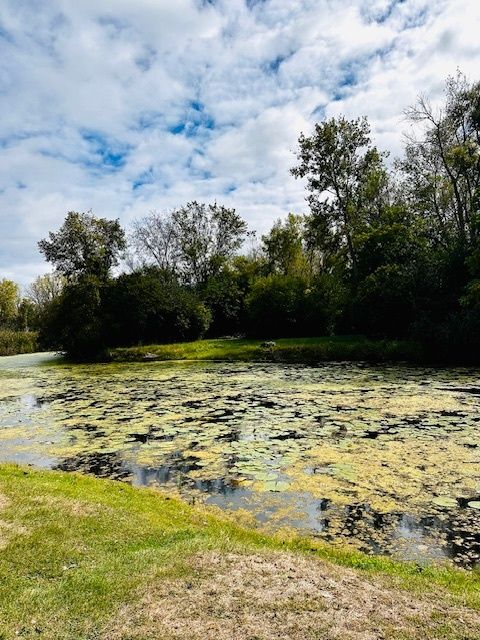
445, 501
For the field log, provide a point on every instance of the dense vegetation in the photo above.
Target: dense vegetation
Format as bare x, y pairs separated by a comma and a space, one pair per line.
385, 252
13, 342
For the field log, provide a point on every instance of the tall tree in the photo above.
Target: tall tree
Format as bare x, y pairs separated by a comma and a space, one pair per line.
9, 301
283, 247
154, 241
442, 164
345, 177
84, 246
194, 241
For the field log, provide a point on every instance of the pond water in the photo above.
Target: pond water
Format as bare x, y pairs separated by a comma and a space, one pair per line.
386, 458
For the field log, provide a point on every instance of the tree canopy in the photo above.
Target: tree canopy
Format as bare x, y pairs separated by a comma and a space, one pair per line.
84, 245
382, 251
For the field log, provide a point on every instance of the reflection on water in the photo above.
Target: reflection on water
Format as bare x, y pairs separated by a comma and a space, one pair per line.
386, 458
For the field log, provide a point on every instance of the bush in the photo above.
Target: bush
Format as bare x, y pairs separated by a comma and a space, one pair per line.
224, 298
287, 306
384, 302
150, 306
13, 342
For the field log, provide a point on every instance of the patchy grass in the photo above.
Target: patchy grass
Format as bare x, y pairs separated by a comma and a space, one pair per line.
294, 350
87, 559
14, 342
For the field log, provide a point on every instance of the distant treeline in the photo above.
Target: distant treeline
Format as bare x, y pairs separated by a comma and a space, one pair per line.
383, 252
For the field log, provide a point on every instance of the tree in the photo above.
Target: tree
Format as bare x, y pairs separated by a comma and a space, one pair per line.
75, 323
9, 302
194, 241
154, 241
283, 247
442, 167
45, 289
41, 298
274, 306
150, 306
345, 177
224, 297
84, 246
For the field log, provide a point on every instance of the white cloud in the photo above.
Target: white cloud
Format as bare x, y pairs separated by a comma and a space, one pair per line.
128, 105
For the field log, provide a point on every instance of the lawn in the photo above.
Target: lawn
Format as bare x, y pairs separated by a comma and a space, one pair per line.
307, 350
84, 559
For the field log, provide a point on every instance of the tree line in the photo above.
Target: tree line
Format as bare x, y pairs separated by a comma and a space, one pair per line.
384, 251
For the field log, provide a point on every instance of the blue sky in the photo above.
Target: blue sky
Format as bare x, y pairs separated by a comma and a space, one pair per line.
124, 106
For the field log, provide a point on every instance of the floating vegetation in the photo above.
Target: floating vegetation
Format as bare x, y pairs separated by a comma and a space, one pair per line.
386, 458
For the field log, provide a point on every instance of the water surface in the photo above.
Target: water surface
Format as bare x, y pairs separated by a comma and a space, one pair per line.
386, 458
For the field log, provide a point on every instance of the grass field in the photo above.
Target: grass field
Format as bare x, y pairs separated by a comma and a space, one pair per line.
300, 350
84, 559
13, 342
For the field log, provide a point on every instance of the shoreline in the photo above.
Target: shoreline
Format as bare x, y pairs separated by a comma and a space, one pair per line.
78, 552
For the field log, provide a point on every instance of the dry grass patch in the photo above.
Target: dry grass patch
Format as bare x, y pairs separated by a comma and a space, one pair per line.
285, 596
4, 501
71, 506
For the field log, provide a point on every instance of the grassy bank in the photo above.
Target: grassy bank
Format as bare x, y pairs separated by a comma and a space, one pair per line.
13, 342
294, 350
82, 558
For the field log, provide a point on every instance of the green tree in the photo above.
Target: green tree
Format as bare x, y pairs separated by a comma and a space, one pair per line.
75, 323
346, 179
150, 306
41, 299
9, 302
84, 246
283, 247
442, 164
45, 289
274, 306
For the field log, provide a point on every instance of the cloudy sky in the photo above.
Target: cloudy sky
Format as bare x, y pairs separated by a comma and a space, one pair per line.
123, 106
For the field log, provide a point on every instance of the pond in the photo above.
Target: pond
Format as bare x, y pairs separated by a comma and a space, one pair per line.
384, 458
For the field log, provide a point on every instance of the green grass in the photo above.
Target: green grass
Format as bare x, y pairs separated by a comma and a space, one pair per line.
294, 350
14, 342
74, 549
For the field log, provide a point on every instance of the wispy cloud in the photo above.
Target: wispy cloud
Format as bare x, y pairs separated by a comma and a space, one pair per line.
127, 105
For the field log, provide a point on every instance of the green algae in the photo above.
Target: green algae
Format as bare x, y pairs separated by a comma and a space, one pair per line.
279, 440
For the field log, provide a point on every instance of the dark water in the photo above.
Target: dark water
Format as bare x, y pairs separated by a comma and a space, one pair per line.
384, 458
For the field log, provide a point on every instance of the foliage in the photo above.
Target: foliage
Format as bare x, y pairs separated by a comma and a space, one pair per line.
276, 296
284, 247
146, 306
46, 289
443, 167
345, 177
41, 299
75, 322
224, 296
84, 246
192, 242
150, 306
9, 302
386, 253
13, 342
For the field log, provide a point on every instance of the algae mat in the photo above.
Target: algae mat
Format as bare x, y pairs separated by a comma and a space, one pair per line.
386, 458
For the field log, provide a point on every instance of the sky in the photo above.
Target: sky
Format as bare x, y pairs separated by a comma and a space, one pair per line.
128, 106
